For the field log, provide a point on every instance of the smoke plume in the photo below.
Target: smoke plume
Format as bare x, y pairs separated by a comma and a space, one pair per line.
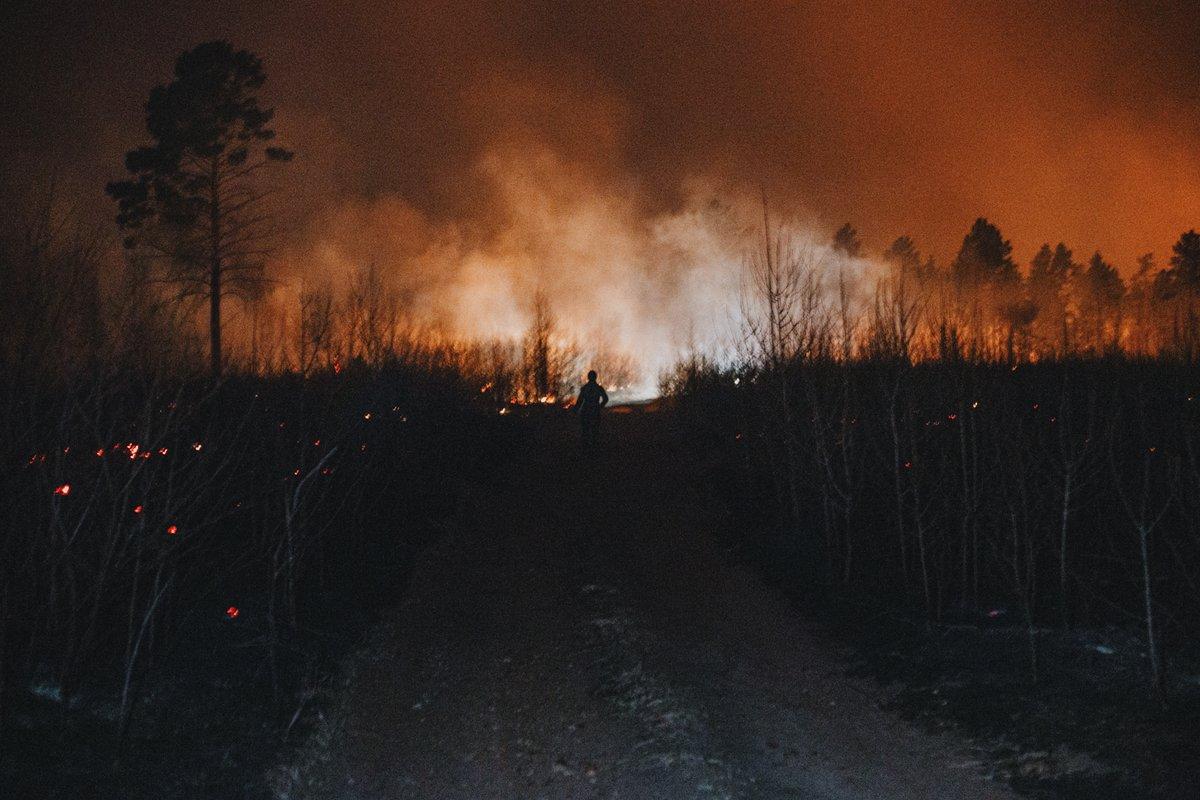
612, 155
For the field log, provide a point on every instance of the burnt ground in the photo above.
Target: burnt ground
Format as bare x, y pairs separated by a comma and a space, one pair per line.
1089, 727
580, 632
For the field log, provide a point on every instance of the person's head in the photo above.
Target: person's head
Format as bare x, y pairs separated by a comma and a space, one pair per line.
591, 376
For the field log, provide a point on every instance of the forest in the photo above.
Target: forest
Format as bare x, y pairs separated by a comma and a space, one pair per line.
984, 475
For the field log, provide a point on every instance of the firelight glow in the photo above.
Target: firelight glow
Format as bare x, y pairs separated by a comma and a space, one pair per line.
559, 150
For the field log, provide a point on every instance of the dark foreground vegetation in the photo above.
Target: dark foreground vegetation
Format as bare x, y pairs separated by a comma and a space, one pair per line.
1016, 543
182, 565
183, 561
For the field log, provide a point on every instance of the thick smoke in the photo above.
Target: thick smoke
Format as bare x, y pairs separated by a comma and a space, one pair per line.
612, 154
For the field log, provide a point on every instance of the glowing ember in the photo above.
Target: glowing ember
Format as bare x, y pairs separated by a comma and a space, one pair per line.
232, 612
138, 509
367, 415
503, 411
100, 453
162, 451
172, 530
63, 490
197, 446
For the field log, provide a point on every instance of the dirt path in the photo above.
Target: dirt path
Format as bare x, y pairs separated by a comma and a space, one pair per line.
578, 634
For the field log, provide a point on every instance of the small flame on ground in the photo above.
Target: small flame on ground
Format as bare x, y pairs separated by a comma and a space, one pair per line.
62, 490
172, 530
232, 612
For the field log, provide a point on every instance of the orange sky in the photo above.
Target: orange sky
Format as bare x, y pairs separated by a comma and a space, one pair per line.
1056, 120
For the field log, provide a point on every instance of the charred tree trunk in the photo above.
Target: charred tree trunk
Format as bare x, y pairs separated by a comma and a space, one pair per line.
214, 299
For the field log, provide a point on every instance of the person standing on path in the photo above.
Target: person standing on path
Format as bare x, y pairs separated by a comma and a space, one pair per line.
592, 398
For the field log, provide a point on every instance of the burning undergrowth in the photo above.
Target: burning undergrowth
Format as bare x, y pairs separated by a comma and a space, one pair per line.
185, 565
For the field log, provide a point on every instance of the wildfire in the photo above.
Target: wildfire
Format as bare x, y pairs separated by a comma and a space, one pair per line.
62, 490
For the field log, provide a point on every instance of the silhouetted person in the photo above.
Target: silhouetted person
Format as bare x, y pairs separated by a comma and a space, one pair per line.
592, 398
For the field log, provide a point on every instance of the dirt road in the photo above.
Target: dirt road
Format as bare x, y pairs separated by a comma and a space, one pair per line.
579, 634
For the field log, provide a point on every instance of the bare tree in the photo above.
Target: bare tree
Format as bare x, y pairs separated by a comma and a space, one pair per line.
314, 334
1146, 496
785, 321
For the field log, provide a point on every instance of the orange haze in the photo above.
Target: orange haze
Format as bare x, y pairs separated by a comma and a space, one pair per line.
610, 153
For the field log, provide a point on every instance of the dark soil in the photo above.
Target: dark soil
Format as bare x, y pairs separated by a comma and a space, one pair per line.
1091, 695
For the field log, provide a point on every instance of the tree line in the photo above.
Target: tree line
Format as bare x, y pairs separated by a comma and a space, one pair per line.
983, 306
